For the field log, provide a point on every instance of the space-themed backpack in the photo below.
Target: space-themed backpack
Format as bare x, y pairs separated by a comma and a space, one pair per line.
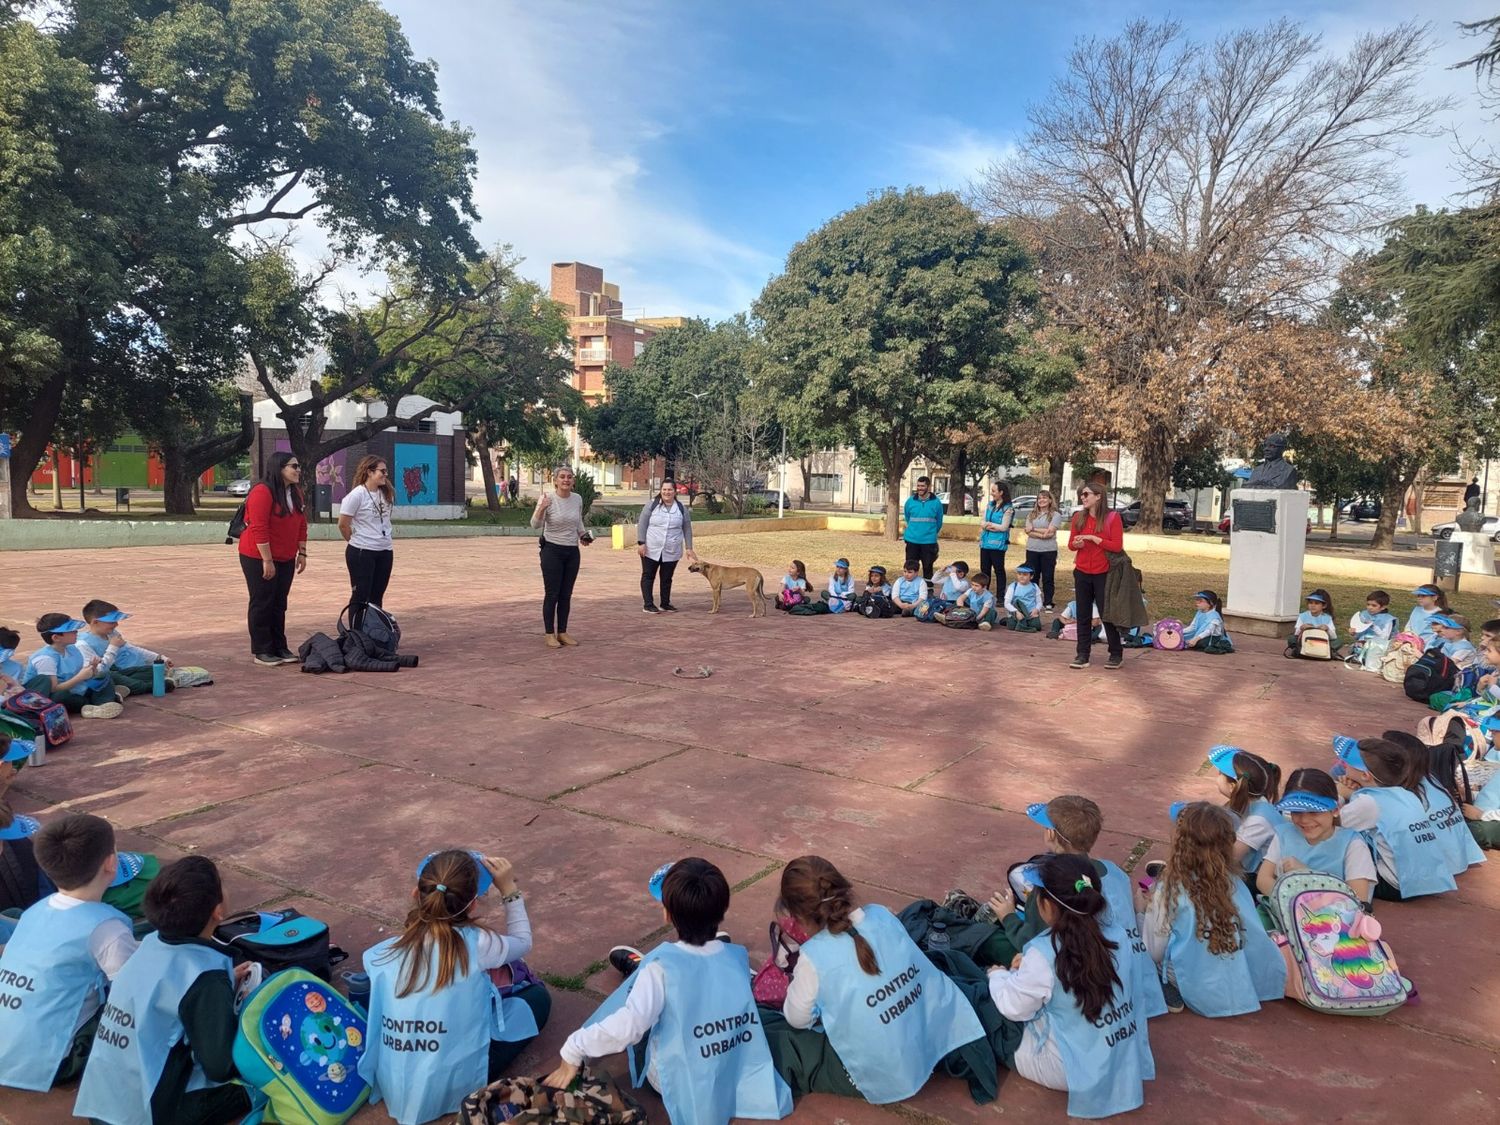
300, 1043
279, 939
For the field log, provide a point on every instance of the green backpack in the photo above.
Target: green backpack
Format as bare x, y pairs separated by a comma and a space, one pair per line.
299, 1044
808, 609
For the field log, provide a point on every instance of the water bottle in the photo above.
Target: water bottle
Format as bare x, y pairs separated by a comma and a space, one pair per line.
159, 677
357, 987
38, 751
937, 936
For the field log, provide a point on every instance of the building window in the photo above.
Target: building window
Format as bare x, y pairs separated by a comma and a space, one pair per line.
827, 482
421, 426
640, 346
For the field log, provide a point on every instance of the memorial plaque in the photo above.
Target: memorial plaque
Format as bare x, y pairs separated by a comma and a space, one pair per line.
1447, 561
1255, 515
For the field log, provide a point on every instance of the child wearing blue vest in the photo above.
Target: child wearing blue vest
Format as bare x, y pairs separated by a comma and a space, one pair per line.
65, 675
840, 592
1311, 839
1074, 993
164, 1052
909, 589
56, 967
1251, 786
690, 1002
1430, 600
1207, 624
12, 671
127, 665
1417, 832
1201, 925
875, 582
1483, 813
1375, 623
445, 1027
949, 584
1023, 603
979, 598
869, 1004
794, 586
1317, 615
1072, 825
1069, 616
1452, 630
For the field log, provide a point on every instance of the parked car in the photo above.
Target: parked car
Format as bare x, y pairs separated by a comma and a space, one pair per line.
1445, 530
1365, 509
770, 497
1024, 506
240, 487
968, 502
1177, 514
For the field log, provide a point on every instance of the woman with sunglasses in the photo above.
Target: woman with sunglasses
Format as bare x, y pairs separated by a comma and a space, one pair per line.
365, 524
273, 550
1093, 533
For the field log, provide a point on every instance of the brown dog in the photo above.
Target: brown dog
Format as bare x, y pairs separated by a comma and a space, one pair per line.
721, 578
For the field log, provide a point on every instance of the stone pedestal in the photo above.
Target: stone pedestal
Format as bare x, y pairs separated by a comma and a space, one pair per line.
1267, 541
1479, 552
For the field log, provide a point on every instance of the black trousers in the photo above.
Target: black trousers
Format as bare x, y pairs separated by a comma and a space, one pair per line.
925, 554
1044, 572
650, 568
991, 563
502, 1053
267, 615
369, 575
1088, 589
559, 572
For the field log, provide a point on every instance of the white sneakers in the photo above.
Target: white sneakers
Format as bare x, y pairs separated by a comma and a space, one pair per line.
103, 710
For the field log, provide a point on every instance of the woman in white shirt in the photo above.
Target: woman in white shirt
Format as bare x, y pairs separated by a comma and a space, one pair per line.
665, 534
365, 524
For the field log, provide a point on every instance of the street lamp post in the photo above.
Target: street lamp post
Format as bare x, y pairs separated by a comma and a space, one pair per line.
87, 405
781, 492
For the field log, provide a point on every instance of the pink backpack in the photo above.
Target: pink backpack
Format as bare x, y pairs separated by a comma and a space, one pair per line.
1167, 635
770, 982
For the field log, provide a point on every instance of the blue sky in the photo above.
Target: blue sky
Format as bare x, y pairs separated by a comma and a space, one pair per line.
685, 147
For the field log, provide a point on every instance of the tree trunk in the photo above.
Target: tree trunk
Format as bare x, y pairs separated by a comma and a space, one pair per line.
1055, 476
958, 474
177, 482
806, 466
892, 506
182, 465
486, 468
1154, 479
1416, 513
1334, 533
31, 444
1392, 502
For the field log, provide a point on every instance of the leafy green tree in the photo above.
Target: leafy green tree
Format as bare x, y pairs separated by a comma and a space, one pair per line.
899, 317
1337, 468
1199, 469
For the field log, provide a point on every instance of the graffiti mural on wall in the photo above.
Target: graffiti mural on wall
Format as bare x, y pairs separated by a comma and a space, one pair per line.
416, 473
332, 470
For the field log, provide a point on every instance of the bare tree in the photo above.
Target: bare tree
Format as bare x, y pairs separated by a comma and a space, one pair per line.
1195, 201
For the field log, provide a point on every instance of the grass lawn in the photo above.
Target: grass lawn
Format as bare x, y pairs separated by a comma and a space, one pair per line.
1170, 580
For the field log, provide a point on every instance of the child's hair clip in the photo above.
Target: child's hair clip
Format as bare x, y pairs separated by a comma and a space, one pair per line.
1084, 884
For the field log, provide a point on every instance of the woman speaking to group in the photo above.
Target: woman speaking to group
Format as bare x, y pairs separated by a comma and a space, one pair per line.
560, 516
273, 550
365, 524
665, 532
1093, 533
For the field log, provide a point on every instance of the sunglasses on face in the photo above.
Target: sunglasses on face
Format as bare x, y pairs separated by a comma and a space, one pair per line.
293, 465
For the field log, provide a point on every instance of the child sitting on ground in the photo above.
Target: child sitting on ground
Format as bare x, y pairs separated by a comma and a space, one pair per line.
1075, 993
1023, 603
875, 582
1251, 785
1317, 615
126, 664
436, 973
979, 599
1375, 624
67, 947
1206, 632
1065, 624
949, 584
794, 587
1311, 839
840, 592
670, 995
1201, 925
165, 1048
909, 590
1430, 600
60, 671
1452, 630
12, 671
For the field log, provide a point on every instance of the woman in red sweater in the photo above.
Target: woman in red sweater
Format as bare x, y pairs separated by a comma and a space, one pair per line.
273, 549
1092, 533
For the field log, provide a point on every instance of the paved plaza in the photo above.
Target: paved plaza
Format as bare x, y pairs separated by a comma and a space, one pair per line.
904, 753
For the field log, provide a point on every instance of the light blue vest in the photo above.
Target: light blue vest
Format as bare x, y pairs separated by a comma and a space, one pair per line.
430, 1049
1488, 798
45, 974
1205, 623
708, 1051
981, 603
1418, 623
1262, 808
910, 592
11, 667
1120, 913
128, 656
1458, 842
1026, 598
1225, 984
1326, 856
138, 1030
995, 540
69, 664
891, 1029
1107, 1060
1421, 853
952, 587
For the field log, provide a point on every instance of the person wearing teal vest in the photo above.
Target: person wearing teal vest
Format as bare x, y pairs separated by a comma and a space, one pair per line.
164, 1051
1416, 830
439, 1026
889, 1015
1312, 839
67, 947
686, 1014
1201, 924
60, 671
1250, 785
1073, 991
923, 515
994, 534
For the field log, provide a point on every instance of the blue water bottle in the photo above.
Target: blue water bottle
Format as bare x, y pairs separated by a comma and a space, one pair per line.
357, 988
159, 677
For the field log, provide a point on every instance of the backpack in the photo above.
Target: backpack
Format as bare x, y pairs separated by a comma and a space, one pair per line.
593, 1099
925, 610
1435, 730
770, 982
1217, 645
1313, 644
236, 526
1368, 656
47, 718
1433, 672
1335, 960
376, 624
1167, 635
808, 609
873, 605
279, 939
1403, 651
300, 1043
961, 617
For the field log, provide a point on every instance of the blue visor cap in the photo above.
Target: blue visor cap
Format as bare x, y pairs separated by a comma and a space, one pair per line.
67, 627
486, 880
20, 750
114, 618
841, 563
1038, 814
1222, 759
21, 828
1347, 750
1205, 595
1444, 620
658, 878
1306, 802
1024, 569
1175, 809
1426, 592
130, 866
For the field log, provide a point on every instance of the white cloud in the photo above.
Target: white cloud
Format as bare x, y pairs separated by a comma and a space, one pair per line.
951, 156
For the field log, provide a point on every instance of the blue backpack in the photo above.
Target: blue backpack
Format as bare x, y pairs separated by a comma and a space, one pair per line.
300, 1043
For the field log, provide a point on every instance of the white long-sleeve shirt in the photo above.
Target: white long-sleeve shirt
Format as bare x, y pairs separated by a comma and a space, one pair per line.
495, 949
110, 945
1020, 995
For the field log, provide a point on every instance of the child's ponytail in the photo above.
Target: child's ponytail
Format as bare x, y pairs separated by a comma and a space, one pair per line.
446, 892
815, 893
1254, 777
1084, 956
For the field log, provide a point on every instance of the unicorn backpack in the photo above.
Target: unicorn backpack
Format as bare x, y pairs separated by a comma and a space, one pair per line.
1167, 635
1404, 650
1335, 960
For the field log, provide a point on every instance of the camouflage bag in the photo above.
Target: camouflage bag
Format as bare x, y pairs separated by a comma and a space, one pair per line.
593, 1099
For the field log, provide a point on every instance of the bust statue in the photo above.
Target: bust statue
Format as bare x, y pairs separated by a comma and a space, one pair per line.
1469, 519
1274, 471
